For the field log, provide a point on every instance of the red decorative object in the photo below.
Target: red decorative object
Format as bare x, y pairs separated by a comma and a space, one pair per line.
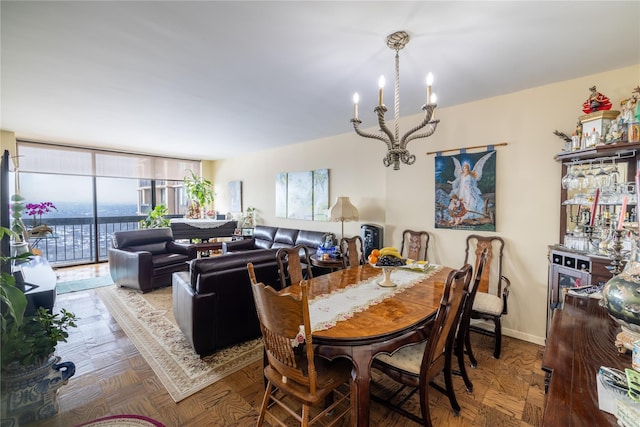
596, 102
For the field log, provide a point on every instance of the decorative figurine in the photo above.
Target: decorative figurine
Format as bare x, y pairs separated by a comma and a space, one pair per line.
596, 102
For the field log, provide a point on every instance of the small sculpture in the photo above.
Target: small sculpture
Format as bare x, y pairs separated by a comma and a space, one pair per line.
596, 102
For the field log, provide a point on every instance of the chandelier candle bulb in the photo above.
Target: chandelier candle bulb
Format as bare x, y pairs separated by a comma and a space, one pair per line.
623, 211
356, 99
381, 86
429, 84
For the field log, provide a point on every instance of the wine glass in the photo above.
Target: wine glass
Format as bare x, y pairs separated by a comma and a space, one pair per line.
567, 178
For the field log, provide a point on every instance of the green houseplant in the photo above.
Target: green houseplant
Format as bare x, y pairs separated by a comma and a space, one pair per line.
156, 218
31, 374
199, 189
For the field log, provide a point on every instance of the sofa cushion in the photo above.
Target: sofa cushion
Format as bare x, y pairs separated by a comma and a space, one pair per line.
142, 238
264, 236
285, 238
205, 266
163, 260
312, 239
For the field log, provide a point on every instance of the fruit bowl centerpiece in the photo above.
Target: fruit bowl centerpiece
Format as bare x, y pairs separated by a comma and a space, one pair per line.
388, 259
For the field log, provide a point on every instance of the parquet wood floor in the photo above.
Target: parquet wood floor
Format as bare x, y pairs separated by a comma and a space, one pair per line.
113, 378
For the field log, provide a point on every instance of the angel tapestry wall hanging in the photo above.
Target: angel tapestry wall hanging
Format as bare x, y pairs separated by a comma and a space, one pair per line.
466, 191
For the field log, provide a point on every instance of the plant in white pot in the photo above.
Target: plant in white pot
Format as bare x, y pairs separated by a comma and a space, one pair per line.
31, 374
200, 190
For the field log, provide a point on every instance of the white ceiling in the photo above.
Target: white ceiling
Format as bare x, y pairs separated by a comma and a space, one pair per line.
215, 79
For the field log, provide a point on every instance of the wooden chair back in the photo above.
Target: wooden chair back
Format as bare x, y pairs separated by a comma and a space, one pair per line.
352, 250
281, 317
476, 245
292, 368
290, 265
252, 273
415, 245
463, 339
440, 344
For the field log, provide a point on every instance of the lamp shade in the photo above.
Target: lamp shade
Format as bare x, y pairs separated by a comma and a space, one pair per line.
343, 210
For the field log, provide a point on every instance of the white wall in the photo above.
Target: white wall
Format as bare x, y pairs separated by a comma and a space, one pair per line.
528, 181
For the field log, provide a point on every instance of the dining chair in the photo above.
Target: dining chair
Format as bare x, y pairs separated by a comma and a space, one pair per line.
352, 251
252, 273
493, 290
291, 266
293, 368
415, 244
417, 365
463, 338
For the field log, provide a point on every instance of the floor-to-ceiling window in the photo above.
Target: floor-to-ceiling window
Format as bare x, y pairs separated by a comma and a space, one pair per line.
95, 193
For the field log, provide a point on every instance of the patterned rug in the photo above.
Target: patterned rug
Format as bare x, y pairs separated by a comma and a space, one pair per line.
148, 321
123, 421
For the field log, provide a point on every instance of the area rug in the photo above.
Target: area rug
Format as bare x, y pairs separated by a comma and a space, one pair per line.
148, 321
123, 421
83, 284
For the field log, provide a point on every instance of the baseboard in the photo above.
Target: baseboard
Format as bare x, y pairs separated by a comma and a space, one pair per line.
512, 333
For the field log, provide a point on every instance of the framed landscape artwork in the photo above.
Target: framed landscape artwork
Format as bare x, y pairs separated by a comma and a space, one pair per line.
303, 195
235, 196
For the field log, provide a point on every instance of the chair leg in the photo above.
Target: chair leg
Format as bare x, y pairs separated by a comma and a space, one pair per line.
265, 402
305, 416
467, 344
459, 350
424, 406
448, 381
496, 351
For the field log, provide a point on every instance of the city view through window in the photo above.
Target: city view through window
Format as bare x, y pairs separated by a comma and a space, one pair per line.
79, 234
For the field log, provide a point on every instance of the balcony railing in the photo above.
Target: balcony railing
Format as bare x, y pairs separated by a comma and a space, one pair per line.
74, 240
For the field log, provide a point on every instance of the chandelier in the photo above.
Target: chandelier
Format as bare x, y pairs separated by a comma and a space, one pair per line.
397, 147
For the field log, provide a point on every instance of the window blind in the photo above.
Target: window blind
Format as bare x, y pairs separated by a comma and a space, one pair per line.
57, 159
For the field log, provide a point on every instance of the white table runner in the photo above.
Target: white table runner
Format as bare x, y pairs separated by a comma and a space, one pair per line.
326, 310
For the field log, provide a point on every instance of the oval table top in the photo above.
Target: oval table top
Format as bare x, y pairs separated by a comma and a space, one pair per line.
393, 316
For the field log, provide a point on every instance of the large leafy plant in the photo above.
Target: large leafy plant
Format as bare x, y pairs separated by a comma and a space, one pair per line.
156, 218
26, 339
198, 188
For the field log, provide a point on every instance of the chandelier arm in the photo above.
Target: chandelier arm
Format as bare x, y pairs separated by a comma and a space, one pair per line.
432, 128
383, 126
356, 124
428, 113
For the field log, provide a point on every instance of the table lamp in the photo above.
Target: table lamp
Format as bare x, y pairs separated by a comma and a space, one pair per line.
342, 211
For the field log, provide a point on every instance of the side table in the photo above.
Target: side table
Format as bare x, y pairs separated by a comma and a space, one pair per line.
332, 264
39, 281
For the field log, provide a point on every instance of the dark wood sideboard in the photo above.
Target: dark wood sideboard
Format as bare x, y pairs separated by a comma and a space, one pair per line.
581, 339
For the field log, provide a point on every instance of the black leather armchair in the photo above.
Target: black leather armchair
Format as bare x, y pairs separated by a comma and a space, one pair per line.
145, 259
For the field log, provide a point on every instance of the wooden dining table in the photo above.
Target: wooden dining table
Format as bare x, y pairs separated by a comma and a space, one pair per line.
383, 327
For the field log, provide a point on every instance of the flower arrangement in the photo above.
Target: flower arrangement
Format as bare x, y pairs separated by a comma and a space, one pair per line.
39, 209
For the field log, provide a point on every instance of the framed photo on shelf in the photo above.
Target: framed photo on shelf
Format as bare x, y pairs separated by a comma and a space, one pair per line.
247, 232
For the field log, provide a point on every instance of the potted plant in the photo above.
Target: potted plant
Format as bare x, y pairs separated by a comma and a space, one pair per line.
31, 374
199, 189
34, 210
156, 218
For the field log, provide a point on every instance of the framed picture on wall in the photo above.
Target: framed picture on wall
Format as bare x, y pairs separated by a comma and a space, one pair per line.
235, 196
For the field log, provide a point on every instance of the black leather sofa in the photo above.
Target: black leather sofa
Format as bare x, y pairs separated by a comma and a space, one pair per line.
213, 302
145, 259
266, 237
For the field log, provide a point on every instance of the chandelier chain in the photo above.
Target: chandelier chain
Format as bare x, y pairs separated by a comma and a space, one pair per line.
397, 147
396, 99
